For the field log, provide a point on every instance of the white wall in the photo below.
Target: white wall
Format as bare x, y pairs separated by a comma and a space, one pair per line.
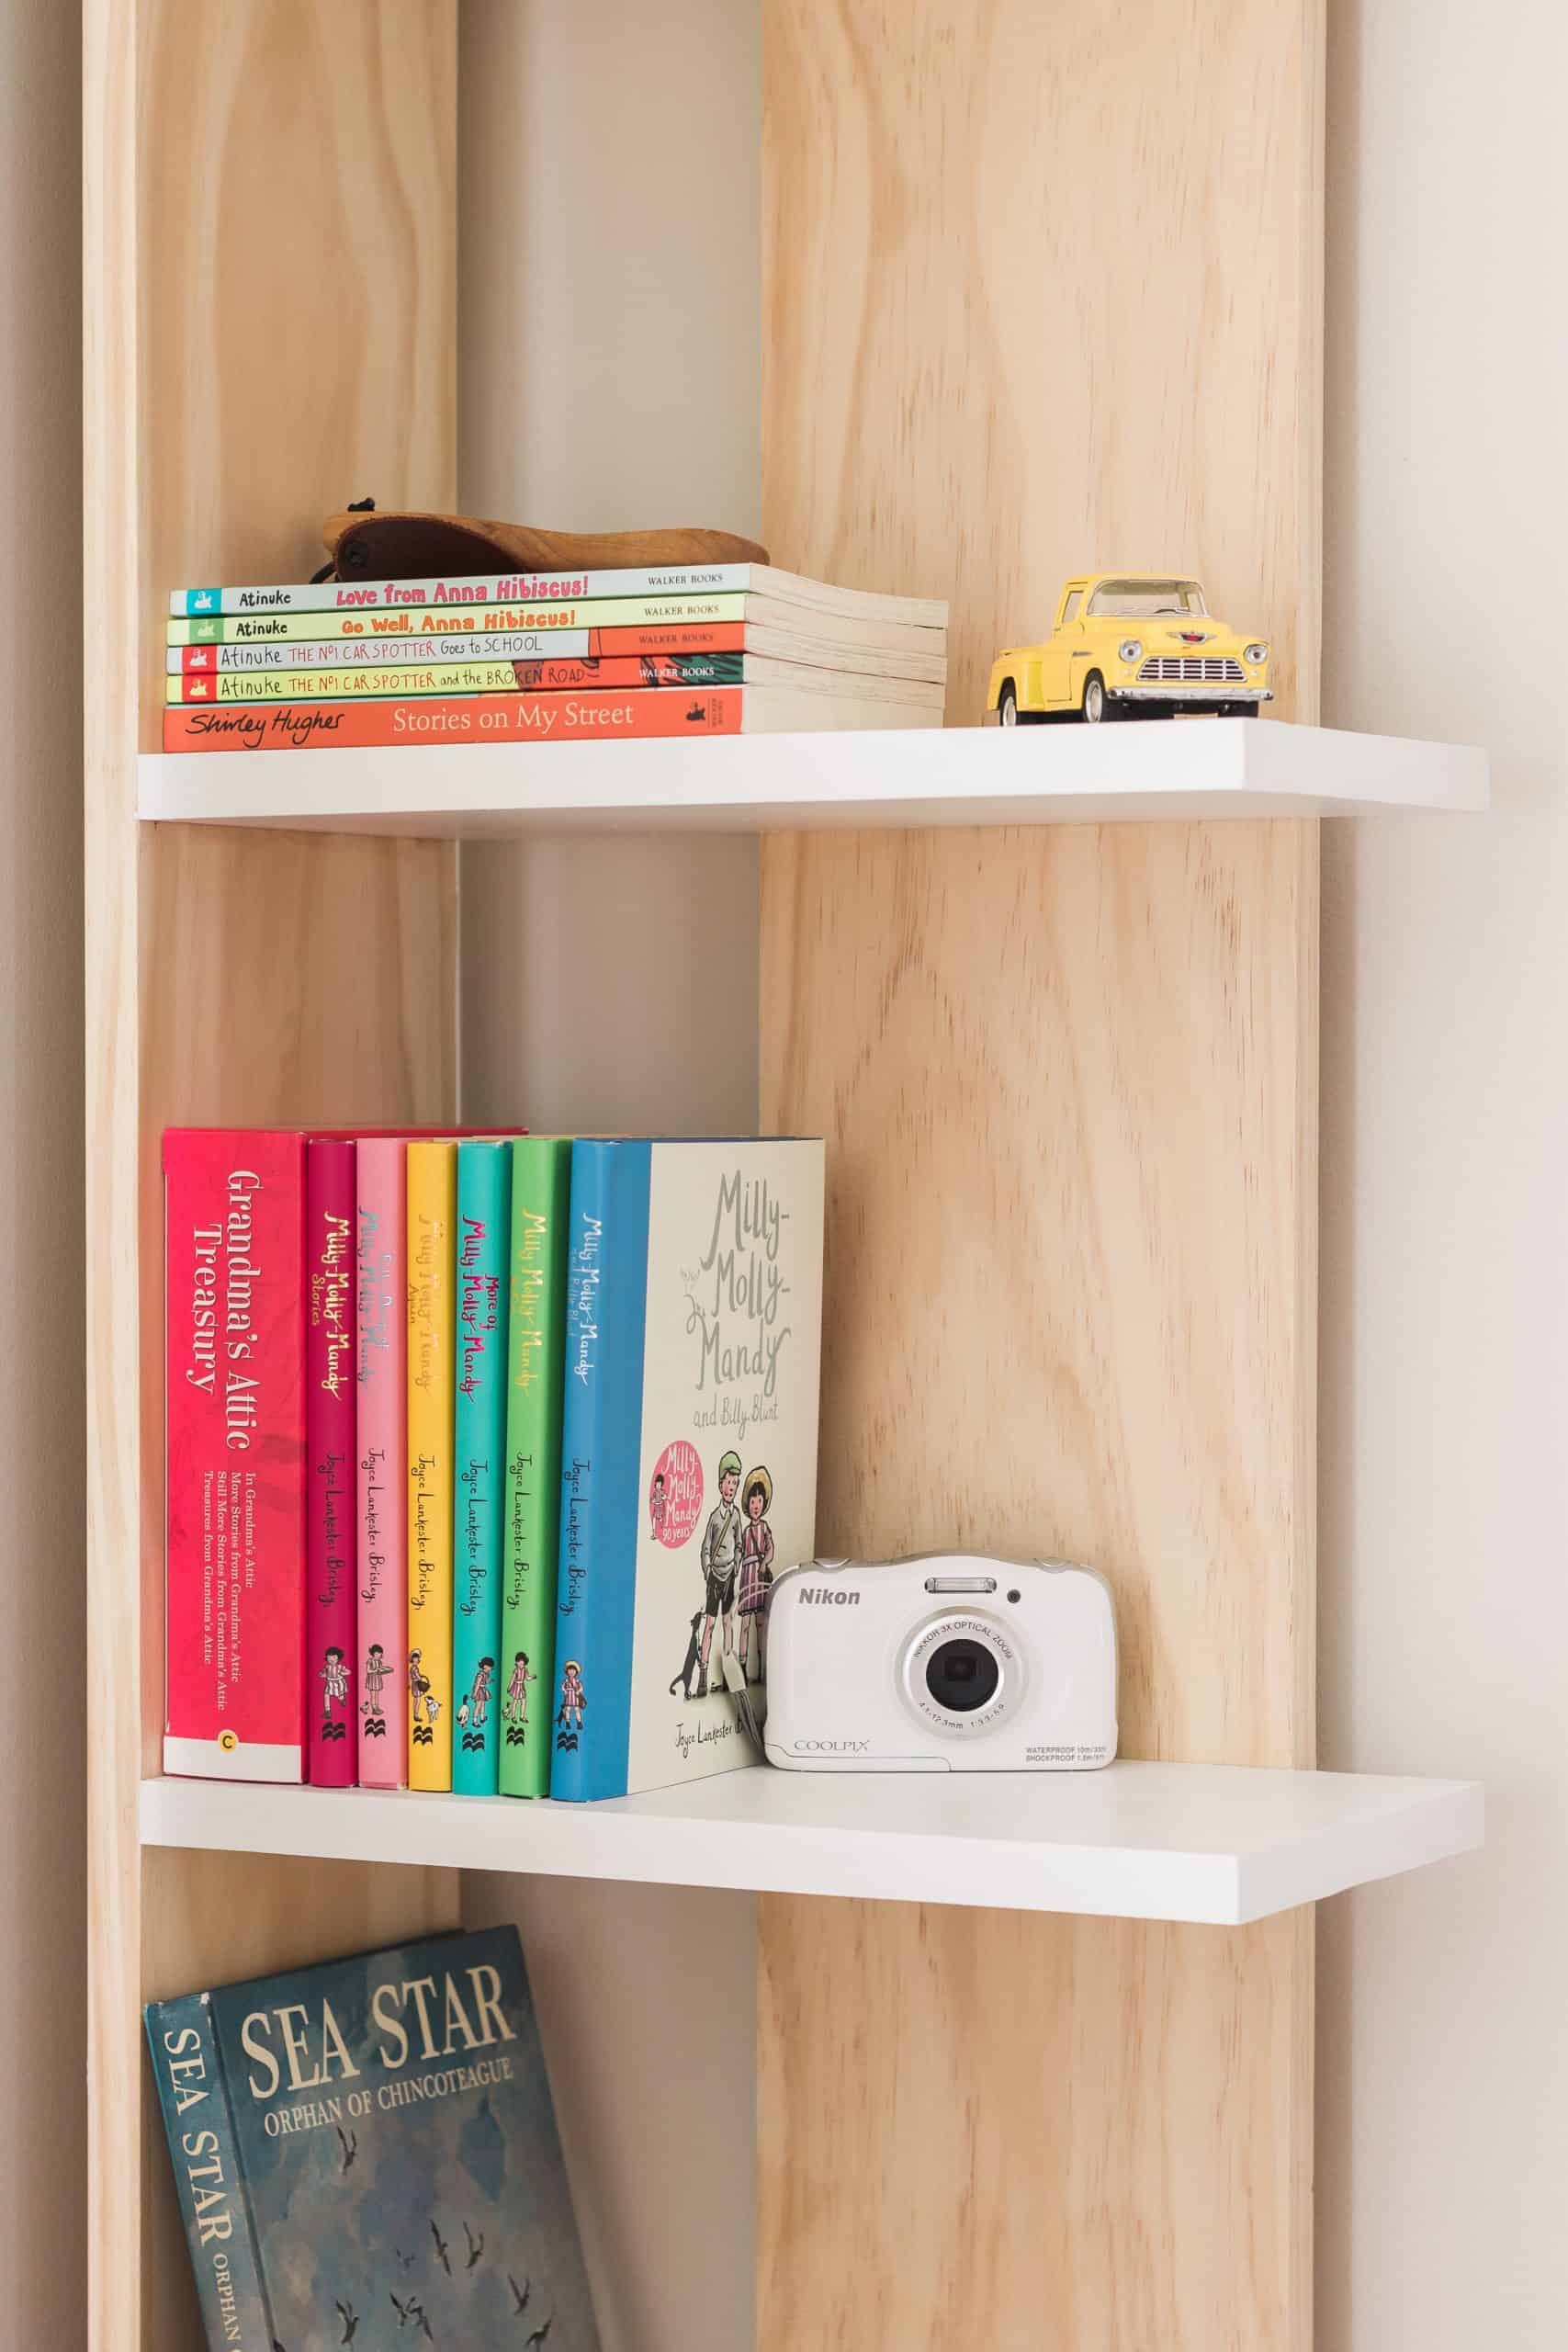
1443, 2020
610, 317
42, 1729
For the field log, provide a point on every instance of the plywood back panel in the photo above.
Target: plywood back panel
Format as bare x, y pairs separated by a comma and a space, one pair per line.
1069, 1078
1041, 290
270, 290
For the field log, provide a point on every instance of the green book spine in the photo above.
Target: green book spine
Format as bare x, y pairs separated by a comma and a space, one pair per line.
541, 1197
484, 1218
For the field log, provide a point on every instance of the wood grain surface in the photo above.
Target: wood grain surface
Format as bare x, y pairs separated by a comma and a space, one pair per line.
1043, 292
1069, 1081
270, 246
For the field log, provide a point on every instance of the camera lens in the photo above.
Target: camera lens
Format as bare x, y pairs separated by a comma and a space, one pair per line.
961, 1675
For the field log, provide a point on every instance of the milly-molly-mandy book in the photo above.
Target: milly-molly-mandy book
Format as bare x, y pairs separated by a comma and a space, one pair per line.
694, 1334
365, 2153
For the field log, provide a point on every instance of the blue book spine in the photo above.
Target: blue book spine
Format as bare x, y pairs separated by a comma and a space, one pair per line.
601, 1438
484, 1234
216, 2211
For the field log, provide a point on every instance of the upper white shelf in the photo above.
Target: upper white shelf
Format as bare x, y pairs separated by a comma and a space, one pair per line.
1214, 1844
961, 775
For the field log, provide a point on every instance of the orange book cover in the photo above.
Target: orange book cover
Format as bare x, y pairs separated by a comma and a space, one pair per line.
634, 711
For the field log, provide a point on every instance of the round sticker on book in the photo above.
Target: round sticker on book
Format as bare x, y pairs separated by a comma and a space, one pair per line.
675, 1495
228, 1741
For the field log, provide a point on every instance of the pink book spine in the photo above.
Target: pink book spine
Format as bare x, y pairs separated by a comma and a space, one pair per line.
329, 1444
382, 1491
235, 1469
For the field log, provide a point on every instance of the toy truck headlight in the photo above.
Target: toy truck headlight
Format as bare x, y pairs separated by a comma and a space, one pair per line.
1253, 654
1131, 648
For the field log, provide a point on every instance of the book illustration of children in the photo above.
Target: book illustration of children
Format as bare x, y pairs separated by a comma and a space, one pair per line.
335, 1693
421, 1696
474, 1712
573, 1699
515, 1706
756, 1566
378, 1673
720, 1564
658, 1507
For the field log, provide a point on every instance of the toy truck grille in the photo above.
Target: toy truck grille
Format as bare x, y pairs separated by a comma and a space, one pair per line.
1190, 669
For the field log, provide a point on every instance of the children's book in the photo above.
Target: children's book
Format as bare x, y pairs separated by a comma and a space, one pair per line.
541, 1190
484, 1220
234, 1235
432, 1179
381, 1429
688, 1449
365, 2153
493, 588
631, 713
501, 645
331, 1437
370, 680
889, 623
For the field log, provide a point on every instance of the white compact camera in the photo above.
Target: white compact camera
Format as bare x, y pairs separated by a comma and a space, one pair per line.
946, 1663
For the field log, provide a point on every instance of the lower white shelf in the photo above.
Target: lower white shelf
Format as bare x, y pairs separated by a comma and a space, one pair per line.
1212, 1844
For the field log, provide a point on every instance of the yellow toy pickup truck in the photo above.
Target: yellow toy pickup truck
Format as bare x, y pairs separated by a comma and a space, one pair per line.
1125, 645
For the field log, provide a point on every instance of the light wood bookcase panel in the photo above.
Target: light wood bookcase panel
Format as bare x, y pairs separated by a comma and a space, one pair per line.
1070, 1084
1044, 290
269, 245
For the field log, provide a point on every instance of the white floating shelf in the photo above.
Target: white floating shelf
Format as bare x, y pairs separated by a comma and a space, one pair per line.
1215, 1844
960, 775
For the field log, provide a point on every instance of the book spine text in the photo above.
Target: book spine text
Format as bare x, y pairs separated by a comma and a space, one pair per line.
329, 1440
496, 587
484, 1209
513, 645
432, 1177
630, 713
583, 612
354, 684
193, 2098
235, 1453
601, 1436
541, 1185
381, 1483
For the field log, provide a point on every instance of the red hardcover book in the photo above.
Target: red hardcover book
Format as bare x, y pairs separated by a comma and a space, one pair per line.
329, 1435
234, 1228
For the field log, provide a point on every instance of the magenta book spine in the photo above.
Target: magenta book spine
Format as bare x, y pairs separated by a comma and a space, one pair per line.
382, 1383
331, 1447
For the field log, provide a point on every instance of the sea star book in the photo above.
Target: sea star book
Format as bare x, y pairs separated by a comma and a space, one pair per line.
365, 2153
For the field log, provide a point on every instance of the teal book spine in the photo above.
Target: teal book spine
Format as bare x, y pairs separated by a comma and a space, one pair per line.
601, 1434
535, 1342
484, 1226
202, 2147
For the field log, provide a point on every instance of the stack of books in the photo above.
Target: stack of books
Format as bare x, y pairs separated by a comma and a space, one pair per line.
722, 650
483, 1453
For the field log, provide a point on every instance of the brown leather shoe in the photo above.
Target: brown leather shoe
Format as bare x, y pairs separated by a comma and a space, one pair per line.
366, 546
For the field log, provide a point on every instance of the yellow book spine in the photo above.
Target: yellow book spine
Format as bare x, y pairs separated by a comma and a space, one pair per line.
432, 1273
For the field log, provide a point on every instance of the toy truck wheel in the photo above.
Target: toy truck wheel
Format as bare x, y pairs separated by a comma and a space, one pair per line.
1007, 711
1096, 706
